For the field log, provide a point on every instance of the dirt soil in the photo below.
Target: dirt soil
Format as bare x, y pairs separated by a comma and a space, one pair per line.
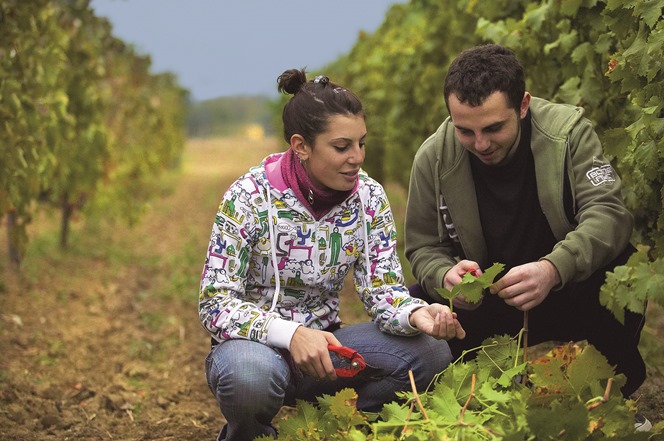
102, 341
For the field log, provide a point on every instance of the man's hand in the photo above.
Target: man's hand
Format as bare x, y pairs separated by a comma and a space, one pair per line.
526, 286
437, 321
309, 350
454, 276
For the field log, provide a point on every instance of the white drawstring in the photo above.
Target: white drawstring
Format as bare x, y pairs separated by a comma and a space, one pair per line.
273, 247
367, 262
275, 297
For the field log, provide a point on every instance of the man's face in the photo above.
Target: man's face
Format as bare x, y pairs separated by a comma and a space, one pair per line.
491, 130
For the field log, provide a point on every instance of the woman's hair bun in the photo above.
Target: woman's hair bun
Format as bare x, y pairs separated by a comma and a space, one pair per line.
291, 81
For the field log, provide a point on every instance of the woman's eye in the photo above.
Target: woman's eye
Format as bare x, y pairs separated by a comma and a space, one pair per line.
340, 147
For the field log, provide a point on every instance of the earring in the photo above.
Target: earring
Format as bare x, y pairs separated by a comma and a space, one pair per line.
299, 159
310, 197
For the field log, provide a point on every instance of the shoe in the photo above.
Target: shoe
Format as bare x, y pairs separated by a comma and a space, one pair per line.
641, 423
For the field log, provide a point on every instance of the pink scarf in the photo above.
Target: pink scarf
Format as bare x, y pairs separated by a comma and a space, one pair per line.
318, 201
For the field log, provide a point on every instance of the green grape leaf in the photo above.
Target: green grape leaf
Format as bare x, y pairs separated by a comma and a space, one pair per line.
355, 435
471, 287
395, 413
630, 285
587, 368
506, 379
497, 354
570, 421
650, 12
303, 424
570, 7
612, 417
445, 405
486, 392
457, 377
490, 274
446, 293
342, 406
547, 377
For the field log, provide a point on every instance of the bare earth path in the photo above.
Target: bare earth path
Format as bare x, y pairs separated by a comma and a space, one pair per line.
102, 342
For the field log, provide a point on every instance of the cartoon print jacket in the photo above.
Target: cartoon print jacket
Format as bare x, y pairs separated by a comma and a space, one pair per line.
262, 233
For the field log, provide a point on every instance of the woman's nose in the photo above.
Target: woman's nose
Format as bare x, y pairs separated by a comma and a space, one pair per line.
357, 155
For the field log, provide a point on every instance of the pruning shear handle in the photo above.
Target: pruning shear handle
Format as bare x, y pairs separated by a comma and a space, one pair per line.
352, 363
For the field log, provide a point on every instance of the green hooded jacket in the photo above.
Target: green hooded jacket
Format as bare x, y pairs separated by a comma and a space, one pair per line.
442, 217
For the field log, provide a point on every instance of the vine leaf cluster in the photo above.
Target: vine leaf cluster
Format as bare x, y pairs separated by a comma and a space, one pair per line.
471, 286
570, 393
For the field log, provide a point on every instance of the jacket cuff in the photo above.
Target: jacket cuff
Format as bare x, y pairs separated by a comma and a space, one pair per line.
564, 263
281, 332
435, 281
404, 318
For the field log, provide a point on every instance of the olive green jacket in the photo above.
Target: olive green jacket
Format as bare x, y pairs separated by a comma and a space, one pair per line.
442, 218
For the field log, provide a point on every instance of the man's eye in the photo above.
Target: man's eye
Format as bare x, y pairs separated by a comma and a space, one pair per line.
465, 132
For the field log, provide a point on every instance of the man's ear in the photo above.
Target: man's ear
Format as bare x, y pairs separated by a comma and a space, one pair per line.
299, 146
525, 105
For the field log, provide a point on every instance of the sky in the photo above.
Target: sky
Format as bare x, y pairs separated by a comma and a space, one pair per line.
239, 47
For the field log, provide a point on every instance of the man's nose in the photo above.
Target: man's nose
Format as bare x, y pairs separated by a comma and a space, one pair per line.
482, 143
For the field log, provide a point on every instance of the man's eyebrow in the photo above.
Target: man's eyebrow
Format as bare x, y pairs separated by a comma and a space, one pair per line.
460, 127
495, 125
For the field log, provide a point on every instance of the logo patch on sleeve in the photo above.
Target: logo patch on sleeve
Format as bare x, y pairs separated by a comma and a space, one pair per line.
601, 175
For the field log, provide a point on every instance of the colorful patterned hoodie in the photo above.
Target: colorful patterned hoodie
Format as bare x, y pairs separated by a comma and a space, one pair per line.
262, 229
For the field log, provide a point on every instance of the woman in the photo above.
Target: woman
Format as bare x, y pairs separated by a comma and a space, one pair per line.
286, 235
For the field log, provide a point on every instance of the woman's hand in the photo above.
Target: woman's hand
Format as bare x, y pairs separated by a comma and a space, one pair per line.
437, 321
308, 347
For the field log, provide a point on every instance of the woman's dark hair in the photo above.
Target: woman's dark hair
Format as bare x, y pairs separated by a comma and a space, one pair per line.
308, 111
480, 71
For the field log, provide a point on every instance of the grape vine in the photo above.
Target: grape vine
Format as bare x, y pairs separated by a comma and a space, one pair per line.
571, 393
92, 138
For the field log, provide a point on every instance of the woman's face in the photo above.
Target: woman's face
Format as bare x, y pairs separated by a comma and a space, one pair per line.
335, 159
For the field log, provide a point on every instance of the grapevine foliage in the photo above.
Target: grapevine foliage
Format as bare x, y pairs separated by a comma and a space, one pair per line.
630, 286
571, 393
603, 55
471, 287
93, 138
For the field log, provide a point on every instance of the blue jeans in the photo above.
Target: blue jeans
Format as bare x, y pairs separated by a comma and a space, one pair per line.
252, 381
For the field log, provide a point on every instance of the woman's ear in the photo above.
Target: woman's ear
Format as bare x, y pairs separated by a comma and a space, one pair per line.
299, 146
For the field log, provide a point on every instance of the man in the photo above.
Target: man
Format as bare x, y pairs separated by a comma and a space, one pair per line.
518, 180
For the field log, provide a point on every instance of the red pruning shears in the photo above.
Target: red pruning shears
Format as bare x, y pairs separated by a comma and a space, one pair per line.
351, 362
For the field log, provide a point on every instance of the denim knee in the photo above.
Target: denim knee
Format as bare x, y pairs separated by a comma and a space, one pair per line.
247, 378
432, 357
